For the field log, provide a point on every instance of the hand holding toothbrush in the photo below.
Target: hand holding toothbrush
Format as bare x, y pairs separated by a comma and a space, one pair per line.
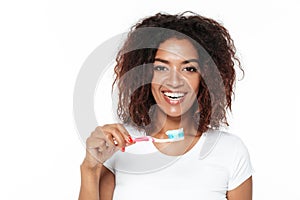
104, 141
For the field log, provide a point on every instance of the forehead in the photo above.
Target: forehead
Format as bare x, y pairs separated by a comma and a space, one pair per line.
179, 48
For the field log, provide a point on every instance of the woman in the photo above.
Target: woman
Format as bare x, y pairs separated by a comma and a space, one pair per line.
173, 71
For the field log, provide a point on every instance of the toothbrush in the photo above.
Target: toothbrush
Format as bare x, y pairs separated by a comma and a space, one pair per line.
173, 136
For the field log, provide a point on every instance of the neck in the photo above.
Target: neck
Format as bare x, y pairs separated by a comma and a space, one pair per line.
164, 123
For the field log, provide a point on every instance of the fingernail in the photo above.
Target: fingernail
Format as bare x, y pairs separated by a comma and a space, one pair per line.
123, 149
130, 140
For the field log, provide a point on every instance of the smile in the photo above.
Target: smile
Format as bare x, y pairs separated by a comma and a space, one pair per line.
174, 97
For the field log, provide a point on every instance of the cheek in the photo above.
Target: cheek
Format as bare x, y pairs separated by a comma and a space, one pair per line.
196, 88
194, 84
156, 82
154, 88
157, 79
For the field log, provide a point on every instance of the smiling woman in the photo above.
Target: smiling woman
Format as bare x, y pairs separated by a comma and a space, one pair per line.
175, 75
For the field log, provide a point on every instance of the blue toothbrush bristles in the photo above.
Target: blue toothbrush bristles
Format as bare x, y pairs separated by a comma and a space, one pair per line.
177, 134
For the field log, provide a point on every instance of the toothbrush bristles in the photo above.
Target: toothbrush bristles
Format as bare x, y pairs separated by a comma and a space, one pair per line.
176, 134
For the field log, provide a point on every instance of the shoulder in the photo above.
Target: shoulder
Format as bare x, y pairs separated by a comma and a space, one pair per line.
235, 157
226, 139
223, 143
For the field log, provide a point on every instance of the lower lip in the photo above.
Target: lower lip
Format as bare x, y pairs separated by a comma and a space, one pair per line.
174, 102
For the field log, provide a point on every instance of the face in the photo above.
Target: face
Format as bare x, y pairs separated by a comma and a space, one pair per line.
176, 77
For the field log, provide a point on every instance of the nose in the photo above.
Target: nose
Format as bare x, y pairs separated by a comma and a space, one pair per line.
174, 79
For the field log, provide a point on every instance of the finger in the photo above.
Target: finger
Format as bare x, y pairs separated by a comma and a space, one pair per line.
117, 137
104, 141
113, 128
114, 145
94, 142
125, 133
110, 147
99, 132
99, 149
111, 140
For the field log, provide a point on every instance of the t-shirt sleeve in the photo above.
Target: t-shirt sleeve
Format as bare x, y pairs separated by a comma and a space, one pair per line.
241, 168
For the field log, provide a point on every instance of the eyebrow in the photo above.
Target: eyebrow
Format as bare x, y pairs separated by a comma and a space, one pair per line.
184, 62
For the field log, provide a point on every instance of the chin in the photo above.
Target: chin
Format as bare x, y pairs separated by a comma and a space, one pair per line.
173, 113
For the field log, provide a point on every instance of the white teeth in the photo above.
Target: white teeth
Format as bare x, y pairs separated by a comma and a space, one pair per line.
174, 94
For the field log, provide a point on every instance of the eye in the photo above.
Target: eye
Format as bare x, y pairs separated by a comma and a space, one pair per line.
160, 68
190, 69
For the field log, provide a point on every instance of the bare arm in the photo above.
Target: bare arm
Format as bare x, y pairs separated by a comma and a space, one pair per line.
242, 192
107, 184
97, 182
90, 177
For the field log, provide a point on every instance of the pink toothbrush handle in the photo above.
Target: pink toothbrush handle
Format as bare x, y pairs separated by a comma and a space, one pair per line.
142, 139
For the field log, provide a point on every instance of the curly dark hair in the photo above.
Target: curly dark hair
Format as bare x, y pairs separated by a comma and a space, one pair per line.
217, 56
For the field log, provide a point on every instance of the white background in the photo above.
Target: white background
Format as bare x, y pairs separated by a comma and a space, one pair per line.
44, 43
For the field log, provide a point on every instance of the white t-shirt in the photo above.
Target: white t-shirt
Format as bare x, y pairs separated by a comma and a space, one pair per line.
219, 162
